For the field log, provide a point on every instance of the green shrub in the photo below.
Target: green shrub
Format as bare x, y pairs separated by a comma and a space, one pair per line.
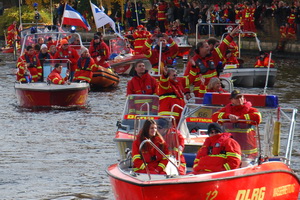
12, 14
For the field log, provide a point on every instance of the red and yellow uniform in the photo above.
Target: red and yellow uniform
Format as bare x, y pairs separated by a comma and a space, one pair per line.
56, 78
264, 62
204, 66
244, 112
155, 161
85, 68
167, 56
70, 54
145, 84
100, 50
34, 67
140, 37
170, 92
218, 153
12, 34
219, 52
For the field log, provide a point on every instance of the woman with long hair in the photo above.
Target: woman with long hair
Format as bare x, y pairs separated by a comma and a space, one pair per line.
155, 161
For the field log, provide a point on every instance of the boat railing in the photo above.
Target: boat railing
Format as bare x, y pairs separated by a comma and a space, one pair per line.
158, 149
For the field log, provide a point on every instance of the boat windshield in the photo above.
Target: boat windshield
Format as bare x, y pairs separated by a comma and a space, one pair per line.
119, 46
138, 105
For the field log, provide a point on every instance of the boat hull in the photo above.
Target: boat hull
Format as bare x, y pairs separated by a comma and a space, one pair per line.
252, 77
104, 78
271, 180
43, 95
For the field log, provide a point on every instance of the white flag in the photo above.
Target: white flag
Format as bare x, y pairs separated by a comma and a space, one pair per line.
102, 19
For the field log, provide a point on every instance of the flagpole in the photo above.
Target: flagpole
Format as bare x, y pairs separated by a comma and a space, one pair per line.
51, 11
136, 13
20, 14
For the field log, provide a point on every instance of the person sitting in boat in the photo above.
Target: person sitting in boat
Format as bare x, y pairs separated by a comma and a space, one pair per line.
50, 42
230, 61
142, 82
85, 67
175, 141
214, 85
219, 152
155, 162
55, 77
263, 60
12, 34
170, 92
240, 109
76, 43
29, 63
40, 41
174, 32
169, 51
140, 36
99, 50
44, 54
52, 50
69, 54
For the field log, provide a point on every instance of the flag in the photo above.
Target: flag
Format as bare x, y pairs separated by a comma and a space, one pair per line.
102, 19
73, 17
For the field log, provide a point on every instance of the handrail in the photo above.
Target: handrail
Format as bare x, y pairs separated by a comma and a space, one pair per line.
209, 27
160, 151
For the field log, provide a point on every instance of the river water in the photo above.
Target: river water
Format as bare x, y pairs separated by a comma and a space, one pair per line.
63, 154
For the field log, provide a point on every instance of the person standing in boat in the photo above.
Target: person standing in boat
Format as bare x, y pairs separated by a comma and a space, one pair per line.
85, 67
154, 161
55, 76
141, 83
29, 64
219, 152
140, 37
169, 51
66, 52
12, 34
170, 92
99, 50
243, 132
174, 140
263, 60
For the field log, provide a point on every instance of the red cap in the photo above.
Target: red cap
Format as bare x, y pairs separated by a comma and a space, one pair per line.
140, 26
64, 41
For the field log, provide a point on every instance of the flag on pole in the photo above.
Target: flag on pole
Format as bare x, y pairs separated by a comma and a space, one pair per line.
73, 17
102, 19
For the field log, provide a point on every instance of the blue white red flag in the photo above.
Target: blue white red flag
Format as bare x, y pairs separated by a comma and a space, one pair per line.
102, 19
73, 18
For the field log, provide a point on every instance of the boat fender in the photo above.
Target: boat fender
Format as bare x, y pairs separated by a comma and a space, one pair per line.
276, 135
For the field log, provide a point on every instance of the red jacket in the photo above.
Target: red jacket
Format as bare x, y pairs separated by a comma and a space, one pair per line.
70, 54
204, 66
155, 161
218, 53
170, 92
245, 112
56, 78
218, 153
142, 85
167, 56
161, 11
264, 62
140, 37
85, 68
35, 68
100, 49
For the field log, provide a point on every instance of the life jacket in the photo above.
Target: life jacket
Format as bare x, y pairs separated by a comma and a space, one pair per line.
32, 64
203, 68
86, 63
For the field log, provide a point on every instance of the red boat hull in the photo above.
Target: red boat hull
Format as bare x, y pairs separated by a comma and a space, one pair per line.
271, 180
39, 95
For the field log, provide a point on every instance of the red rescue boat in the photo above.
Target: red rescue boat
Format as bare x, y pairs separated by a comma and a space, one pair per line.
267, 176
41, 94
